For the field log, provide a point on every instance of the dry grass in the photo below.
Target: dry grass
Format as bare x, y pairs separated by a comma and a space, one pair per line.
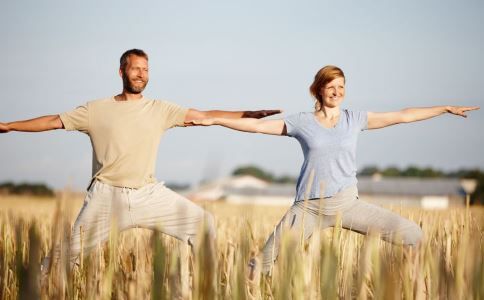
140, 264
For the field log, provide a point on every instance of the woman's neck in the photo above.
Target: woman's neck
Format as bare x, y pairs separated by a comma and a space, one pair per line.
328, 112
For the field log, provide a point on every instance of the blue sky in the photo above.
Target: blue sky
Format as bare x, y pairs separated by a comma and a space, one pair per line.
237, 56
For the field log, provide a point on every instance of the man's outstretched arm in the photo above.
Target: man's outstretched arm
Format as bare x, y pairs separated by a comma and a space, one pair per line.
33, 125
194, 114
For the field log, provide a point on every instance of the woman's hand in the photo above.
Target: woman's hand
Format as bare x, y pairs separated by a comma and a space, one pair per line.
201, 122
460, 110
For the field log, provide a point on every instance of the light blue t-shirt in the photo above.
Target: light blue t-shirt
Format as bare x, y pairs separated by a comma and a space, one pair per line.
330, 152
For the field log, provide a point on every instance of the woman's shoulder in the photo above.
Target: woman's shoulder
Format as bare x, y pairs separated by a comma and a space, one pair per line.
355, 116
299, 117
302, 114
349, 113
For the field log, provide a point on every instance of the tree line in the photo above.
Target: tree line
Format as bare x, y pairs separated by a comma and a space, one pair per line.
392, 171
27, 189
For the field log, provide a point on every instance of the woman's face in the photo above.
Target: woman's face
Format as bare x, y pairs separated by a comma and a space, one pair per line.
333, 93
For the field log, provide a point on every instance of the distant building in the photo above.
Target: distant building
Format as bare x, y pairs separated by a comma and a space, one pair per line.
244, 189
427, 193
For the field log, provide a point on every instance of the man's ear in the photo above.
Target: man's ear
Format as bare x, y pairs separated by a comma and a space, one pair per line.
120, 73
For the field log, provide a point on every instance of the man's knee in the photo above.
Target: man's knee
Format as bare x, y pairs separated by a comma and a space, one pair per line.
412, 236
209, 224
205, 230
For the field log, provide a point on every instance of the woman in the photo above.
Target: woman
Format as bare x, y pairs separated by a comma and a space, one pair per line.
328, 138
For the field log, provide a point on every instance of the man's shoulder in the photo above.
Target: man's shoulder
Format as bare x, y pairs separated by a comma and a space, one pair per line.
161, 101
166, 104
100, 101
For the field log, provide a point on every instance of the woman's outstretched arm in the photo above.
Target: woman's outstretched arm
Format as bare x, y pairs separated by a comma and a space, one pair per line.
274, 127
383, 119
194, 114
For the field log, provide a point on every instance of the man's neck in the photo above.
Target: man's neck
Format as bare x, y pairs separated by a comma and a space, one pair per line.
125, 96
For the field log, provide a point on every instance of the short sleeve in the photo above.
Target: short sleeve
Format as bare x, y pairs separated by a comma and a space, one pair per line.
293, 124
172, 114
360, 119
77, 119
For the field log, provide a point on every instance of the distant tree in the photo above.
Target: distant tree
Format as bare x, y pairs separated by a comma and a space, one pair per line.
34, 189
262, 174
391, 172
429, 172
478, 196
369, 171
254, 171
7, 185
413, 171
285, 179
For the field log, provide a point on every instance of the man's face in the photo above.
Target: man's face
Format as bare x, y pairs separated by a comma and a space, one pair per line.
135, 74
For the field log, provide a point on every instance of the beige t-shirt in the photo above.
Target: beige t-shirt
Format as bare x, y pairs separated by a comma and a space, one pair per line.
125, 136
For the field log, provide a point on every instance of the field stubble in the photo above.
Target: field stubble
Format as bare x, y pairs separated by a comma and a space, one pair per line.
334, 263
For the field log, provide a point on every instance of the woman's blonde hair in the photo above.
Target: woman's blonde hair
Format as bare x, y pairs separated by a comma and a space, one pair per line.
323, 77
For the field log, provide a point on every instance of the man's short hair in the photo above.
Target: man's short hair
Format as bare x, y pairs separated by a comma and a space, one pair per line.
123, 61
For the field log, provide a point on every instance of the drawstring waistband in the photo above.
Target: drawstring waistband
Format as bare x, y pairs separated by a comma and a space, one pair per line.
331, 205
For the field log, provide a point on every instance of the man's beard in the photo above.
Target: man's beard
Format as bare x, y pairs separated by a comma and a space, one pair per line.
131, 88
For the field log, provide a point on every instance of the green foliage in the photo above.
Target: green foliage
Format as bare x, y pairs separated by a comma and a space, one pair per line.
262, 174
413, 171
284, 179
478, 196
391, 172
253, 171
33, 189
369, 170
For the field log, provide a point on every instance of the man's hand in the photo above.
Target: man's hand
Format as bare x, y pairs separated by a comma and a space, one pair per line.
461, 110
258, 114
4, 128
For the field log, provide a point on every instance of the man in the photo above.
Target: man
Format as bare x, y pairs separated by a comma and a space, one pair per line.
125, 131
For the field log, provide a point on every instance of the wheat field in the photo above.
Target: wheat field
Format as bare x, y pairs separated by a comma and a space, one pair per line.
333, 264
